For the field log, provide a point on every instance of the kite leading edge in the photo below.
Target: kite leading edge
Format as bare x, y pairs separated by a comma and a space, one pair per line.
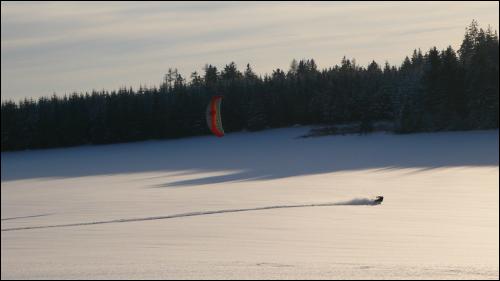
213, 116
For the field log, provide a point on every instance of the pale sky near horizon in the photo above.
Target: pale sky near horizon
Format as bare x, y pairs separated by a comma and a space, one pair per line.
60, 47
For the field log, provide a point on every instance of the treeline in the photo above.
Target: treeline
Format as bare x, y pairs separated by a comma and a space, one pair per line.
431, 91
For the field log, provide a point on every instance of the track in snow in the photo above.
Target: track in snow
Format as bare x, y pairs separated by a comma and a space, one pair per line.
201, 213
25, 217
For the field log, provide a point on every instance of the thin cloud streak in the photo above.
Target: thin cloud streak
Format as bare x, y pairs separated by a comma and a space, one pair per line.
63, 47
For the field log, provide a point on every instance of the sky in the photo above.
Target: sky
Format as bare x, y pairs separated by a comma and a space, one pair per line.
65, 47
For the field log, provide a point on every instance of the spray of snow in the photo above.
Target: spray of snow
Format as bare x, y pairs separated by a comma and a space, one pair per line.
358, 201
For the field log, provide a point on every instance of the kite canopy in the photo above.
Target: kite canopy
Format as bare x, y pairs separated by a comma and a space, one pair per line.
213, 116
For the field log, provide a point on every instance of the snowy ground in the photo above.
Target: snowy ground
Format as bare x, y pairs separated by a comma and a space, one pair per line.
439, 219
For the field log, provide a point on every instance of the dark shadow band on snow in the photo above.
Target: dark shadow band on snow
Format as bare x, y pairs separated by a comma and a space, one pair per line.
270, 154
354, 202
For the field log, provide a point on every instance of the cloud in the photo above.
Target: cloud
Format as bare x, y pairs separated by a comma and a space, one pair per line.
68, 46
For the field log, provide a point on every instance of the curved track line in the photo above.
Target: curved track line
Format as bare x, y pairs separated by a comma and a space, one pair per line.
192, 214
25, 217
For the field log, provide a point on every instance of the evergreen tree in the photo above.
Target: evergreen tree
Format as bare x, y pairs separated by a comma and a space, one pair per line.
438, 90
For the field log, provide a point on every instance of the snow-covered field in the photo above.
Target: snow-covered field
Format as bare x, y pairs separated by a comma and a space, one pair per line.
197, 208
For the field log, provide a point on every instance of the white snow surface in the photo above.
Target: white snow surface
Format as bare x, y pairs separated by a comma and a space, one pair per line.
263, 205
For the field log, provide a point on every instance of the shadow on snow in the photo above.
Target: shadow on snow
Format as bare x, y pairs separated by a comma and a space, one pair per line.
270, 154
